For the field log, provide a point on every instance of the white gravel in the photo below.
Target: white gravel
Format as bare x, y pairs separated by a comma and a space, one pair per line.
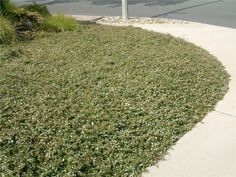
138, 20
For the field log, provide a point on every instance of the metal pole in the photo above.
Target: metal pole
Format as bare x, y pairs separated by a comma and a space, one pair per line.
124, 10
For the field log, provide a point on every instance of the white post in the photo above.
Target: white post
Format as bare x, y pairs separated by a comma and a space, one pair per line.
124, 10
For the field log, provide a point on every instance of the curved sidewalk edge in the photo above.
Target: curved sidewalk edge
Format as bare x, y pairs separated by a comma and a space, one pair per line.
209, 150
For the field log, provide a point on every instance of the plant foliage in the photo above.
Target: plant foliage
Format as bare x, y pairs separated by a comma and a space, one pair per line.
7, 31
105, 101
39, 8
6, 7
59, 23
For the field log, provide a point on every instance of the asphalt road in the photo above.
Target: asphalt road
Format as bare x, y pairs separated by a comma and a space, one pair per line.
216, 12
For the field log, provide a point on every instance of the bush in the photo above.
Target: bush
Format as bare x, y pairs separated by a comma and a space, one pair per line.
6, 7
20, 15
59, 23
25, 22
39, 8
7, 31
23, 19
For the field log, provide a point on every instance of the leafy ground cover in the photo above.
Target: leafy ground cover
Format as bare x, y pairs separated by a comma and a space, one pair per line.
102, 101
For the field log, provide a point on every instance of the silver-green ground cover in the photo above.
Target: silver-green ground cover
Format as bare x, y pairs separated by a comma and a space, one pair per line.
101, 101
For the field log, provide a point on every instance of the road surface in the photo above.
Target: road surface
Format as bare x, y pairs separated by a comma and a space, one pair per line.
216, 12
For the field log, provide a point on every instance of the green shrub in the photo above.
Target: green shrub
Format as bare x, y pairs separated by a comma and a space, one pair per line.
39, 8
20, 15
59, 23
6, 7
25, 22
7, 31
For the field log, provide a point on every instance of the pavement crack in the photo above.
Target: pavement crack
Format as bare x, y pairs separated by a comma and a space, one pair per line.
226, 113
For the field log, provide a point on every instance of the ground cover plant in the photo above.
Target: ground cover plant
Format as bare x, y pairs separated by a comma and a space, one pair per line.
102, 101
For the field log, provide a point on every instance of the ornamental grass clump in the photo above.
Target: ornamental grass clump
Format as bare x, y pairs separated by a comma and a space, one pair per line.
59, 23
7, 31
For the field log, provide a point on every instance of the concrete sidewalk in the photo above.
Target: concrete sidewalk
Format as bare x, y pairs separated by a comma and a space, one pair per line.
209, 150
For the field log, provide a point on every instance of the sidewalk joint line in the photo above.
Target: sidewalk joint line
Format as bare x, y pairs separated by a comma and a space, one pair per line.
225, 113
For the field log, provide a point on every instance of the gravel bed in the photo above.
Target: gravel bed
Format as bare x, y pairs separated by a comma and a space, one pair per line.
138, 20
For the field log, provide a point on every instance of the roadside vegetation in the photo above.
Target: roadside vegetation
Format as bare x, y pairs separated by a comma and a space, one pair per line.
29, 21
101, 100
59, 23
7, 31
